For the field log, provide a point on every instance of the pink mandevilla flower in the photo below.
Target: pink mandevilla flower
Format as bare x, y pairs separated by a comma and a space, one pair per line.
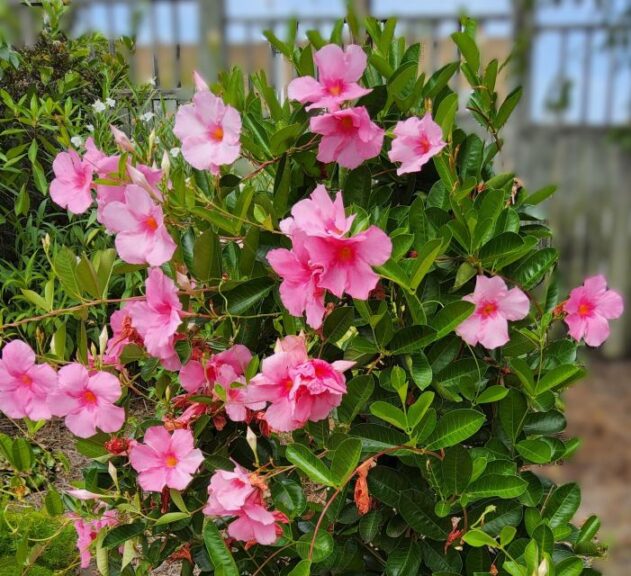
233, 494
298, 389
417, 140
495, 305
349, 137
165, 459
141, 236
338, 73
123, 334
157, 318
300, 291
226, 370
87, 401
72, 185
589, 308
25, 387
88, 530
347, 262
209, 131
318, 215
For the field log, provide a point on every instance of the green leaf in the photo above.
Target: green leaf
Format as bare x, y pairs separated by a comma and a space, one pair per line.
468, 48
533, 269
392, 271
404, 560
207, 257
303, 568
171, 517
424, 260
247, 294
64, 265
512, 414
417, 411
288, 497
358, 392
369, 525
419, 368
540, 195
496, 486
507, 107
408, 340
120, 534
345, 460
284, 138
524, 373
421, 520
456, 469
478, 538
338, 322
536, 450
219, 553
562, 504
87, 278
376, 438
492, 394
322, 548
386, 485
389, 413
53, 502
450, 317
558, 376
454, 427
22, 455
446, 114
314, 468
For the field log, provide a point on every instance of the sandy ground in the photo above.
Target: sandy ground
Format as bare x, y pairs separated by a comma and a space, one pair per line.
598, 411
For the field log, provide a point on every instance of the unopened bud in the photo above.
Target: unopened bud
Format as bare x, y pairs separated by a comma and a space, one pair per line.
121, 139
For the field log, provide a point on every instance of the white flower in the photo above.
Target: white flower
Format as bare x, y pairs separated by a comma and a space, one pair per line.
110, 102
152, 81
90, 128
76, 141
147, 116
98, 106
175, 152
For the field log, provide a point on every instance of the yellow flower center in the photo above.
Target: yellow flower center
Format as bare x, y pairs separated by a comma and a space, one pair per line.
487, 309
345, 254
584, 310
151, 223
217, 134
170, 461
26, 379
89, 397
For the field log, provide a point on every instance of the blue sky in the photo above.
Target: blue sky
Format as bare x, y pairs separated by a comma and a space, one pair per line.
607, 89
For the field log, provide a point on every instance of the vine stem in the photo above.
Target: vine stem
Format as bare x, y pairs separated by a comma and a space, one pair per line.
339, 489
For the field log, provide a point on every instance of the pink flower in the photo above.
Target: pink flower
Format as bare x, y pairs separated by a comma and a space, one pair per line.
257, 524
72, 186
297, 388
318, 389
25, 387
318, 215
88, 530
141, 236
417, 140
589, 308
225, 370
123, 334
209, 131
300, 290
87, 401
495, 305
121, 139
235, 494
338, 73
165, 459
228, 492
347, 262
348, 137
158, 317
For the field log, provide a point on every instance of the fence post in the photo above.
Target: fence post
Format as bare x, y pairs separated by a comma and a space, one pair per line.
212, 42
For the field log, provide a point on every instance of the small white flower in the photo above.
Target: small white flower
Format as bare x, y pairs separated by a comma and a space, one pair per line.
152, 81
147, 116
175, 152
76, 141
110, 102
90, 128
98, 106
